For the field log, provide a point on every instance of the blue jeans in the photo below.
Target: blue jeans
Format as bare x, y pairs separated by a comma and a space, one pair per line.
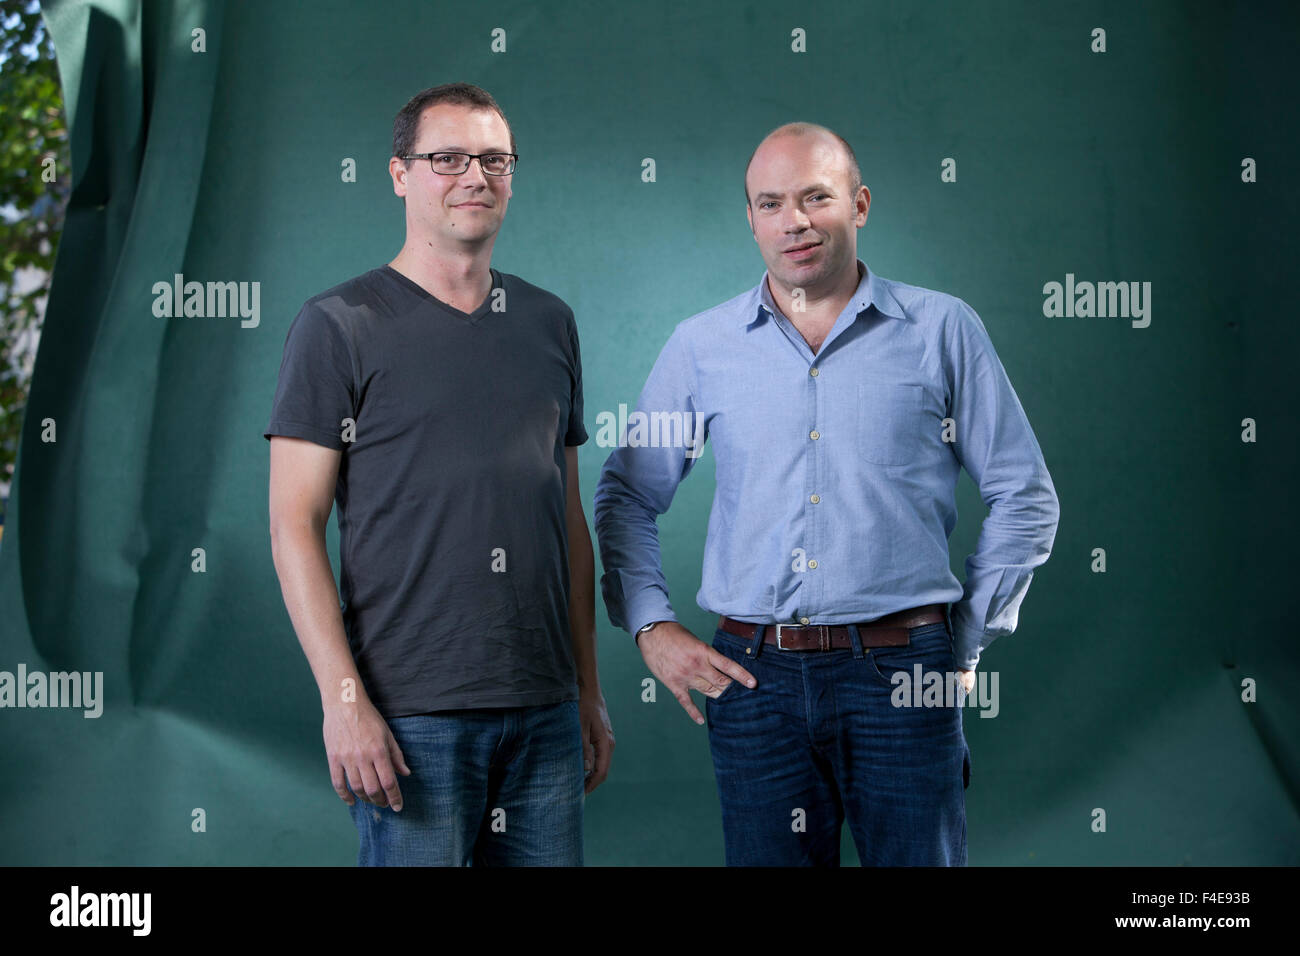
819, 739
491, 787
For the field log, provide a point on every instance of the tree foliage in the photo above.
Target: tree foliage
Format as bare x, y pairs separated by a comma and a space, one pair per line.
35, 174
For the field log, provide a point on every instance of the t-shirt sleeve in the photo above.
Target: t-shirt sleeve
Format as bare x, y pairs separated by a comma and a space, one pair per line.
315, 392
577, 433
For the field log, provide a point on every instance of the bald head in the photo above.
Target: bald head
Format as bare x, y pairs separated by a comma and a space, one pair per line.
811, 130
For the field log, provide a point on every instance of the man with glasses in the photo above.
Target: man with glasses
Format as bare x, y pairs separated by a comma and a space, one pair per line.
439, 401
841, 407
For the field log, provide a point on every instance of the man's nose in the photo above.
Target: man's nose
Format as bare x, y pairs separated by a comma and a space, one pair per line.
475, 176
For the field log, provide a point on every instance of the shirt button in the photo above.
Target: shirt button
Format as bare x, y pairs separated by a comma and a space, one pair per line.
812, 564
814, 434
803, 620
813, 371
815, 498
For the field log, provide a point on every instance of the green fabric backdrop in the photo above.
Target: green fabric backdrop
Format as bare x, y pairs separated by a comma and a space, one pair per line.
1119, 691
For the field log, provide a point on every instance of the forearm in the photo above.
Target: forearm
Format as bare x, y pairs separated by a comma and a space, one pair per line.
1016, 538
634, 585
312, 600
582, 606
636, 485
997, 446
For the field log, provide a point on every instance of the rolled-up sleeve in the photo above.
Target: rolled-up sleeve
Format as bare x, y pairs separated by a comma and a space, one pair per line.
996, 445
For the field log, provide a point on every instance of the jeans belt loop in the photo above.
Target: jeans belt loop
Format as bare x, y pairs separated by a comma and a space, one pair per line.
856, 639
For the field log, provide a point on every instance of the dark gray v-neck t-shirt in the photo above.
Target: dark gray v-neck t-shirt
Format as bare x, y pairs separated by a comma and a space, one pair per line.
451, 489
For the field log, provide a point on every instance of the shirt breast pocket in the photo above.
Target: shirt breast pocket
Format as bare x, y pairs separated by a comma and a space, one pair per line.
890, 420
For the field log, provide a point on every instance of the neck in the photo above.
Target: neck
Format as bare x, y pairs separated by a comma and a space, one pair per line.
819, 302
449, 275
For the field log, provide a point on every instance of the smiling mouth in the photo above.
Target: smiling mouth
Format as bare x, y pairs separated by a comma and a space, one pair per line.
803, 248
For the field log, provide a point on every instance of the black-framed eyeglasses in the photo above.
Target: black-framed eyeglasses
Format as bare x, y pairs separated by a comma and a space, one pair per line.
453, 164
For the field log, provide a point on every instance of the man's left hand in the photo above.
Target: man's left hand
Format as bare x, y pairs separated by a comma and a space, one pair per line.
597, 737
966, 679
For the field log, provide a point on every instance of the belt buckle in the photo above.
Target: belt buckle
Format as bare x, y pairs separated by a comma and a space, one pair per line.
823, 636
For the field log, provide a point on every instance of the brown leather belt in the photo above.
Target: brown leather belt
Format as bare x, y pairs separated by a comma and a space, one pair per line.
888, 631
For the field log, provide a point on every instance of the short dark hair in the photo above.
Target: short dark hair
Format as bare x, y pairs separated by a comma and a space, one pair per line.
803, 129
407, 125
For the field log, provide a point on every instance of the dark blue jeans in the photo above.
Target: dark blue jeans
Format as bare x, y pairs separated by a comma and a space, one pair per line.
820, 738
493, 787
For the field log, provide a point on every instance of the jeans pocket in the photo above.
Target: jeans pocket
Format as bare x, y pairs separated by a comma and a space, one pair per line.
929, 646
728, 691
890, 420
728, 649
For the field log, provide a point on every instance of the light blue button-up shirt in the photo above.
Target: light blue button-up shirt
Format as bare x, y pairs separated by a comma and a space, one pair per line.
836, 472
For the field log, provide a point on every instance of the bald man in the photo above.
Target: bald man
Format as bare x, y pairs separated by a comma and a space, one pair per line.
841, 407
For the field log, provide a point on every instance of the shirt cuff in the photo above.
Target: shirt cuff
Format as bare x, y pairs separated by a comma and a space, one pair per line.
647, 606
968, 643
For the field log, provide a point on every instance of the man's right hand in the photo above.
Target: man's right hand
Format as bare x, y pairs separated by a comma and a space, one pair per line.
683, 663
361, 749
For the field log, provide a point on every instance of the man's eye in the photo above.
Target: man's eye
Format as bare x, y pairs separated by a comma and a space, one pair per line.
446, 159
495, 161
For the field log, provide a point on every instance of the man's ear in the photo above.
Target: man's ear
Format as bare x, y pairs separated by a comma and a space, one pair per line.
863, 213
397, 170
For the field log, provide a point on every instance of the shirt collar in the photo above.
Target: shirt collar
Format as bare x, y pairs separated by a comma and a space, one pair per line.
872, 290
